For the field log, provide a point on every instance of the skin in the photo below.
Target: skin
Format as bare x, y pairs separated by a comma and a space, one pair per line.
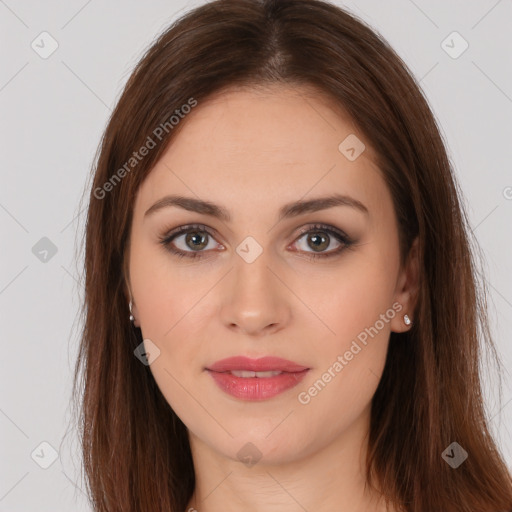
253, 151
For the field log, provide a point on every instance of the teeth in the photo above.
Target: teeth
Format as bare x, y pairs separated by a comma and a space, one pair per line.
245, 373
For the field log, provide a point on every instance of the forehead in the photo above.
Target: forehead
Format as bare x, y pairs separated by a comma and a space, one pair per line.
280, 143
283, 123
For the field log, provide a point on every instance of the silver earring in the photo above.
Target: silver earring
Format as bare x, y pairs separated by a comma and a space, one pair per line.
407, 320
132, 318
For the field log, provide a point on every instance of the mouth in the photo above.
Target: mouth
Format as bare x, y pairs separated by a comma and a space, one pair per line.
246, 374
261, 365
256, 379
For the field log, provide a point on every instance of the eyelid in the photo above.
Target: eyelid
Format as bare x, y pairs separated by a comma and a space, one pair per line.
340, 236
212, 232
170, 235
319, 226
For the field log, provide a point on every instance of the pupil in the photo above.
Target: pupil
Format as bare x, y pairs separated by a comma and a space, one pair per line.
193, 237
320, 239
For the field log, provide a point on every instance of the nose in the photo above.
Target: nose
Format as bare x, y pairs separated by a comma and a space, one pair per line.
255, 299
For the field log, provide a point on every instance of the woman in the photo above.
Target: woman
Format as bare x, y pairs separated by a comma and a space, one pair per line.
281, 309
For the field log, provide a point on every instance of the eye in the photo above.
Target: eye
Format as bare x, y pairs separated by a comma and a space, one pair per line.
198, 238
319, 238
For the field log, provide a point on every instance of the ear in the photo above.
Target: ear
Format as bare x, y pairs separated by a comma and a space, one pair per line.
135, 314
128, 289
407, 289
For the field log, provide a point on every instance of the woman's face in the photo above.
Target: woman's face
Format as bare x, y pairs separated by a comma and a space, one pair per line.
255, 287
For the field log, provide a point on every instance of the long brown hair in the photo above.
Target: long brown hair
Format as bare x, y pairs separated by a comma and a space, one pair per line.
136, 450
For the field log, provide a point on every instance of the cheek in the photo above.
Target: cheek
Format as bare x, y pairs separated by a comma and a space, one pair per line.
355, 308
351, 362
172, 317
350, 298
161, 291
174, 311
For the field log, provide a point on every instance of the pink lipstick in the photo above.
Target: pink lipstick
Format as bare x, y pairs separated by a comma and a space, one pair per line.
256, 379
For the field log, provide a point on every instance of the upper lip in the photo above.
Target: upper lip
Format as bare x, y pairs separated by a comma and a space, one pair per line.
256, 365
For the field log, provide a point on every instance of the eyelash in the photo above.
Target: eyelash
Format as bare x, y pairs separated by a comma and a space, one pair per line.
324, 228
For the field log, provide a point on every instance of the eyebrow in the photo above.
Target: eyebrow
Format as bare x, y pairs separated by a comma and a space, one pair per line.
287, 211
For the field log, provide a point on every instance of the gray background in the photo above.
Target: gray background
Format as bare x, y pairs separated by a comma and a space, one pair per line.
53, 113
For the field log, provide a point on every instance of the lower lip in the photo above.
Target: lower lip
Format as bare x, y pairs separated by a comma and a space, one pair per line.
255, 388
